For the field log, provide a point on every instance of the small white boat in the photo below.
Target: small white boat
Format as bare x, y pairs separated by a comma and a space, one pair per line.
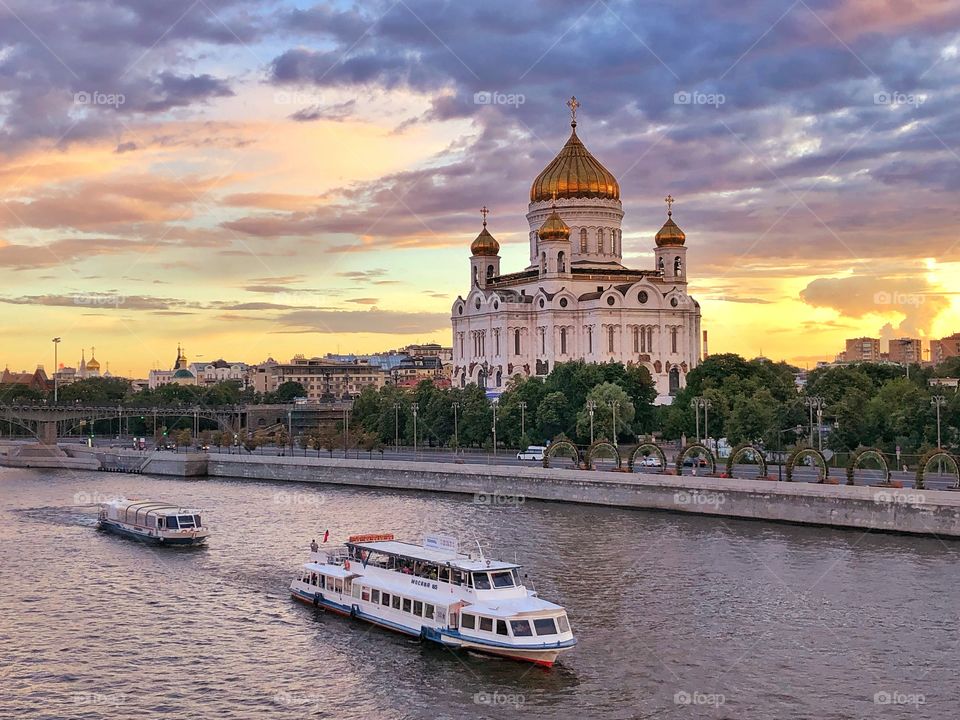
153, 522
437, 593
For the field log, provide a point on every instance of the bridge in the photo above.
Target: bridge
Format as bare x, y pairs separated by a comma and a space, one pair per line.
45, 421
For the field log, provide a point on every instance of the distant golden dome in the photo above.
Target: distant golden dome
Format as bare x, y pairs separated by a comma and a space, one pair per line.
574, 173
485, 244
93, 364
670, 234
554, 228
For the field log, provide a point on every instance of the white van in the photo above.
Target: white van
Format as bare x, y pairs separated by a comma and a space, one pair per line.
534, 452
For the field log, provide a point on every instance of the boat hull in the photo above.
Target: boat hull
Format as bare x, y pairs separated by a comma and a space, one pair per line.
545, 657
117, 529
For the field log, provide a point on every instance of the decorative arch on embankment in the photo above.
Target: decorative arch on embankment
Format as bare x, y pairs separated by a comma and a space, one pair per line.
563, 448
747, 449
862, 455
602, 448
644, 449
935, 454
807, 452
698, 449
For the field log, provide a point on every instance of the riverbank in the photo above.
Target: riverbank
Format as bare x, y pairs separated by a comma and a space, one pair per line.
918, 512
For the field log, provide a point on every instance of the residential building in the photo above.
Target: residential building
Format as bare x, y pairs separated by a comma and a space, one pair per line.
905, 351
863, 349
944, 348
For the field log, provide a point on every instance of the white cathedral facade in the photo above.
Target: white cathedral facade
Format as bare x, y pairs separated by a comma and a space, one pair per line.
576, 300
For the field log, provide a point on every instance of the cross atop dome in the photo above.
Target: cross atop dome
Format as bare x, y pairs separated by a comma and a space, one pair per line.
573, 104
669, 201
484, 211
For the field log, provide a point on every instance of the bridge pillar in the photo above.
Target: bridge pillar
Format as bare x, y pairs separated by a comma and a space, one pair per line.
47, 432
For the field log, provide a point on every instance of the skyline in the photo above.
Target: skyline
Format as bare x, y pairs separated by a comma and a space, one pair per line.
261, 181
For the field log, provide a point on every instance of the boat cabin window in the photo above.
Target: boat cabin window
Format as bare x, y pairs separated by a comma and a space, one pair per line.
564, 625
356, 591
502, 627
375, 596
172, 523
406, 605
468, 621
545, 626
516, 577
160, 523
428, 611
445, 574
385, 599
502, 579
186, 521
396, 602
418, 608
481, 581
338, 586
365, 595
486, 624
456, 577
196, 520
521, 628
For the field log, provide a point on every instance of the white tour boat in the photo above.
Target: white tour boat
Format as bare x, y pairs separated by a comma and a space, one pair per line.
153, 522
437, 593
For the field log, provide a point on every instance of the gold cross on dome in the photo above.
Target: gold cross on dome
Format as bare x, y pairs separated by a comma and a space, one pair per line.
573, 104
669, 201
484, 211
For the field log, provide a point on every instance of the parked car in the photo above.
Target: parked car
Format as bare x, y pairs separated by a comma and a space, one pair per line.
698, 461
534, 452
650, 461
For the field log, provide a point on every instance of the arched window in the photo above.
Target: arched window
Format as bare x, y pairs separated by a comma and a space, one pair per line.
600, 240
677, 267
516, 341
476, 276
563, 341
673, 339
543, 263
589, 339
674, 380
636, 339
610, 339
489, 271
561, 261
583, 241
660, 264
650, 339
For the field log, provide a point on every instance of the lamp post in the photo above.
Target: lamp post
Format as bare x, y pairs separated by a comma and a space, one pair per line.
591, 406
396, 425
613, 406
494, 429
523, 411
695, 404
456, 434
938, 401
706, 419
796, 431
56, 379
813, 402
416, 409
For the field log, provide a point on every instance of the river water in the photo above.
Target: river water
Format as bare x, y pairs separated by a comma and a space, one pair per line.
676, 616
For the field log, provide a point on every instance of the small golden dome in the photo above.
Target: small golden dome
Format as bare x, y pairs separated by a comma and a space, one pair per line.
574, 173
485, 244
670, 234
554, 228
93, 365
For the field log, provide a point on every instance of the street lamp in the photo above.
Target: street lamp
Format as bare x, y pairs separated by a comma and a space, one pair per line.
938, 401
494, 406
523, 410
456, 434
796, 430
396, 425
613, 406
695, 404
416, 409
56, 379
814, 402
591, 406
702, 402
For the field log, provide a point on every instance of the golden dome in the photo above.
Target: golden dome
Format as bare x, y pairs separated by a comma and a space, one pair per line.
574, 173
554, 228
93, 364
485, 244
670, 234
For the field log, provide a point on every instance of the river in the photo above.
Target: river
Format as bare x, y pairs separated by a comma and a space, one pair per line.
676, 616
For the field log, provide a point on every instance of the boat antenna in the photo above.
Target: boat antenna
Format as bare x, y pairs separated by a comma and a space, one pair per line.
480, 548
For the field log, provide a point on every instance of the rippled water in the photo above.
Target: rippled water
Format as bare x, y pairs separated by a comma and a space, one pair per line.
744, 620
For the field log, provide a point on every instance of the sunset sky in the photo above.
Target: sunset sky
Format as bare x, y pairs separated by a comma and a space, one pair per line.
261, 178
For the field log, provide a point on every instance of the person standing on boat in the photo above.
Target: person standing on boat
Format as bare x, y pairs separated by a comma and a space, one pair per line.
313, 546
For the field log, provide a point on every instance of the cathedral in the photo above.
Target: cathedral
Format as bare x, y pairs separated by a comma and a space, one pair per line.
576, 300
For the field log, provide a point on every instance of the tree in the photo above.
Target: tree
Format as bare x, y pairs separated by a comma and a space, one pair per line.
552, 415
288, 392
329, 438
609, 401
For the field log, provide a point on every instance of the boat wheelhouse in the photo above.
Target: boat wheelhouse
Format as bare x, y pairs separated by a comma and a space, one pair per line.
154, 522
437, 593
